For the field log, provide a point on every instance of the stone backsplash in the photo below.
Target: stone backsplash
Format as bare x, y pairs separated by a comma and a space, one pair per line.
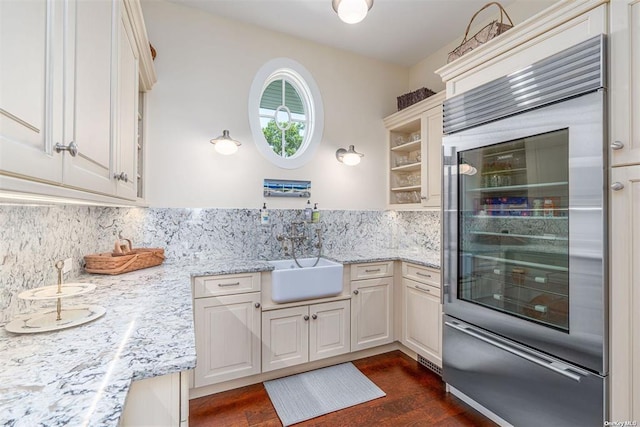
33, 238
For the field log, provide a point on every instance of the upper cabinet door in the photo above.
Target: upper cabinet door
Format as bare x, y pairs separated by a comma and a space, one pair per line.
127, 124
28, 39
432, 157
624, 84
89, 90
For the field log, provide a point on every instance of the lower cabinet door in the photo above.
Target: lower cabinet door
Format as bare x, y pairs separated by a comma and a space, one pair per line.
285, 338
422, 323
157, 401
329, 329
371, 313
227, 337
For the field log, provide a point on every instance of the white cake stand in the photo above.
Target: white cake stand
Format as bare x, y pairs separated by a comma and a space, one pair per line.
53, 319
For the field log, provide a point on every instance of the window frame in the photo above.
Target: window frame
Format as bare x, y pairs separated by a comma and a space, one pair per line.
302, 81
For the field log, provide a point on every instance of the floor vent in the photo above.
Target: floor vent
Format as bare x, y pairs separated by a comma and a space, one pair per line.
429, 365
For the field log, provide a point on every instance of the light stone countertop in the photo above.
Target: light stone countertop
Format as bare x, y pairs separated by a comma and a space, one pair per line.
425, 258
81, 375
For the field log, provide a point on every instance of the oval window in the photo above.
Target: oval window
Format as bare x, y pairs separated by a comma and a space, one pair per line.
285, 113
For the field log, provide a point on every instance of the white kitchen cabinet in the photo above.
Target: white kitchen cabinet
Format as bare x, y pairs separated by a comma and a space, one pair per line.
126, 148
329, 329
76, 84
624, 237
415, 140
285, 338
371, 270
158, 401
227, 328
89, 81
432, 157
422, 321
624, 87
624, 328
228, 284
422, 312
296, 335
30, 65
371, 313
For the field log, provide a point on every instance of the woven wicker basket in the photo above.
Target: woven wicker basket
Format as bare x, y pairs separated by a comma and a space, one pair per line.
490, 31
107, 263
408, 99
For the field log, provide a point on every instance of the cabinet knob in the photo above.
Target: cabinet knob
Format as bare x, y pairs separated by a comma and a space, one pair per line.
356, 292
423, 197
72, 148
306, 317
617, 186
314, 316
122, 176
617, 145
257, 305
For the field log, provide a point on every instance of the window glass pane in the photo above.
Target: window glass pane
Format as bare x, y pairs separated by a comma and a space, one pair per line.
271, 97
293, 136
293, 100
283, 120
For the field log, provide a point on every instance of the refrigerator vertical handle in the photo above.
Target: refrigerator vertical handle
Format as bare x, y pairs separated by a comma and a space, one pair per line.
551, 365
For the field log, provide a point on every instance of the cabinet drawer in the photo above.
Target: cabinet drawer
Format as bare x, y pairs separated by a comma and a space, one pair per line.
371, 270
207, 286
421, 274
427, 289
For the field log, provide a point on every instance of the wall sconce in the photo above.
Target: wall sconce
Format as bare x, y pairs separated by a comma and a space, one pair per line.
224, 144
349, 157
352, 11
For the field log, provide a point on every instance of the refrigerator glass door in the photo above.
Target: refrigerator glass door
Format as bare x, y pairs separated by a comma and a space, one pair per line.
514, 227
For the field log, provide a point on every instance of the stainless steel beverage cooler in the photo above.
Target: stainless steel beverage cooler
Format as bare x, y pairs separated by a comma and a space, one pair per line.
524, 224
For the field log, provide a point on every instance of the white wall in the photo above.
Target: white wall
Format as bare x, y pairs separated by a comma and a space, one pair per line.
422, 74
205, 67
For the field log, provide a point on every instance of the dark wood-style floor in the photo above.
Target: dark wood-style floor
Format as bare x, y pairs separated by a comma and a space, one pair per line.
415, 397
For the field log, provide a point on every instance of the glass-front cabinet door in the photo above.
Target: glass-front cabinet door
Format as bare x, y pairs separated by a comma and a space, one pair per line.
514, 228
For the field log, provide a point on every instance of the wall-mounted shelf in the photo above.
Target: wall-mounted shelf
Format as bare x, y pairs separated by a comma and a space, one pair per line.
408, 147
411, 167
409, 188
415, 143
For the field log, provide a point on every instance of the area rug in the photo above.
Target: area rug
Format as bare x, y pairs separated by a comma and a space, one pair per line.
311, 394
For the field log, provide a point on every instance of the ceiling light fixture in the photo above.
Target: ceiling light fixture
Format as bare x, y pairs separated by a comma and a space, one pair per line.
224, 144
349, 157
352, 11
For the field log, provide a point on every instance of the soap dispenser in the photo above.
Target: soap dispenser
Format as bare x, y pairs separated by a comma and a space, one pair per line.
308, 213
264, 215
315, 216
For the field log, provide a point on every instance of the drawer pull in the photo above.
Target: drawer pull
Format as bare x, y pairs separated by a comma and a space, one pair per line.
422, 289
375, 270
422, 274
222, 285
